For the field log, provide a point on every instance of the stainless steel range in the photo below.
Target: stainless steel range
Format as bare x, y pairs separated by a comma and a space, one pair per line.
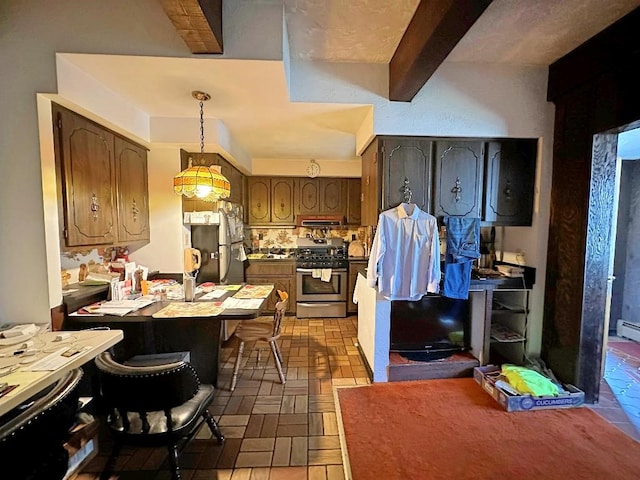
321, 270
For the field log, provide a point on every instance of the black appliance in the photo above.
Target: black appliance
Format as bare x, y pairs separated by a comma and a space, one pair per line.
435, 325
321, 278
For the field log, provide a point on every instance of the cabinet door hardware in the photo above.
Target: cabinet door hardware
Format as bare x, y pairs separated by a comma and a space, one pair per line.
95, 206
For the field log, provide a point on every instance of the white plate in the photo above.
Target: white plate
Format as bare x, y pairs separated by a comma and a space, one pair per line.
15, 340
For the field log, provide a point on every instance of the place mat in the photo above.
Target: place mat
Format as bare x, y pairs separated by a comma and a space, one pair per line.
254, 291
190, 309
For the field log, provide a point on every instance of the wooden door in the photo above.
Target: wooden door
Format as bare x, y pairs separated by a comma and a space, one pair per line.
308, 195
458, 178
369, 185
333, 196
133, 191
510, 179
354, 201
259, 212
85, 155
282, 211
407, 172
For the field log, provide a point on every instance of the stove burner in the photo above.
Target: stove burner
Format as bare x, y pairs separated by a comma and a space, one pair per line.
321, 257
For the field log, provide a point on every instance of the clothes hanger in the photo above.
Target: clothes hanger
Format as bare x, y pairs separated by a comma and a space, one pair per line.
407, 205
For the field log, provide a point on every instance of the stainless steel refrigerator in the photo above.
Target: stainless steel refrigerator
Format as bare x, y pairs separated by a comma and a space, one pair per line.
222, 247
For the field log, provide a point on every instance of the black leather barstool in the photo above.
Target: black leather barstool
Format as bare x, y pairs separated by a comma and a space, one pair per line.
32, 439
152, 406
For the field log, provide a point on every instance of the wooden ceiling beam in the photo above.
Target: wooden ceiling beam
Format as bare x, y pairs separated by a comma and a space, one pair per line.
435, 29
199, 23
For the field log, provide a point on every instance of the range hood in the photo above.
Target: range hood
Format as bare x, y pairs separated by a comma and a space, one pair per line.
315, 221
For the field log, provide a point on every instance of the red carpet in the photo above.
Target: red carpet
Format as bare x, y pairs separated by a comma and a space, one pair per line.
630, 347
452, 429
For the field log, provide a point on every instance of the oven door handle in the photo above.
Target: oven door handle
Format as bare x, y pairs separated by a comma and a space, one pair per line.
323, 305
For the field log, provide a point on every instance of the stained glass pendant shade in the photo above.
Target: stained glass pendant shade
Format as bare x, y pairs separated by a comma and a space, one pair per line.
206, 183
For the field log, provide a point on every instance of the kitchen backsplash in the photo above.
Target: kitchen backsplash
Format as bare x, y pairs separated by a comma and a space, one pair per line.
258, 238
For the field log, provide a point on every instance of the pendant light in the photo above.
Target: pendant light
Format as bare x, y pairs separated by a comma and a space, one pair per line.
206, 183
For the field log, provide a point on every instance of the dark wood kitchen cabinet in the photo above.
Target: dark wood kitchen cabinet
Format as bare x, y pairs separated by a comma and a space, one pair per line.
354, 201
510, 181
324, 196
132, 185
407, 168
103, 180
391, 167
457, 189
370, 187
271, 201
282, 206
280, 273
277, 200
492, 179
259, 193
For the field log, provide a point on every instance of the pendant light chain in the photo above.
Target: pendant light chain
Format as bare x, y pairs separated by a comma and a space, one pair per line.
201, 130
205, 183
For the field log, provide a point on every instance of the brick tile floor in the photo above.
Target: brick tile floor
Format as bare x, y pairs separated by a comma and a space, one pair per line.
281, 432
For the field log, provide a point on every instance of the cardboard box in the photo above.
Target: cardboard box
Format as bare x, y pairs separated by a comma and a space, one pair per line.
525, 402
82, 447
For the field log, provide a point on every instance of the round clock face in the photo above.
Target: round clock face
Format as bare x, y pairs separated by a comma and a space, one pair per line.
313, 169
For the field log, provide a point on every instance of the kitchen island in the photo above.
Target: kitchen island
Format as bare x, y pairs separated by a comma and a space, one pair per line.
145, 334
374, 323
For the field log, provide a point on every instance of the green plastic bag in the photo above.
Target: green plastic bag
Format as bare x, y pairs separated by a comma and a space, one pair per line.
529, 381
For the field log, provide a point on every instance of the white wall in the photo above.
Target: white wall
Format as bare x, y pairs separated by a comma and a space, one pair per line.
460, 100
33, 31
164, 252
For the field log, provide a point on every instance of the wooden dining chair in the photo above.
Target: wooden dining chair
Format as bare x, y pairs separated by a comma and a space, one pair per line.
257, 331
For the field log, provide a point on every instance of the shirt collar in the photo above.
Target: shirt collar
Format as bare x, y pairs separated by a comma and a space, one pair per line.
402, 210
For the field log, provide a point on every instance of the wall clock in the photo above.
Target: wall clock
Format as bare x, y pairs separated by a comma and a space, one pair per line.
313, 169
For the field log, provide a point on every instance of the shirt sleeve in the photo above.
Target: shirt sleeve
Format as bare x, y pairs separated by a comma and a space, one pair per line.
433, 285
376, 254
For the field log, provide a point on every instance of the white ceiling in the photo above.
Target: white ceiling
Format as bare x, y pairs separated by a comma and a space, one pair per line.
251, 97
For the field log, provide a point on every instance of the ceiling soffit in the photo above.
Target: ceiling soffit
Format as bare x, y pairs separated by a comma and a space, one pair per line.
199, 23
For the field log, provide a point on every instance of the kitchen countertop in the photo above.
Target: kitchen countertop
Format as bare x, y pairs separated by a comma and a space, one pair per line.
263, 257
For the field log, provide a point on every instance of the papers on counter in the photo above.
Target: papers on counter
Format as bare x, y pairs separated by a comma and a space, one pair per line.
51, 362
119, 307
242, 303
18, 334
212, 294
254, 291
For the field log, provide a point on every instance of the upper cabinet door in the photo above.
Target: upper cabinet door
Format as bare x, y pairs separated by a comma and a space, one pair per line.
407, 172
510, 179
282, 201
370, 191
458, 178
132, 181
259, 200
308, 195
354, 201
86, 159
333, 196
